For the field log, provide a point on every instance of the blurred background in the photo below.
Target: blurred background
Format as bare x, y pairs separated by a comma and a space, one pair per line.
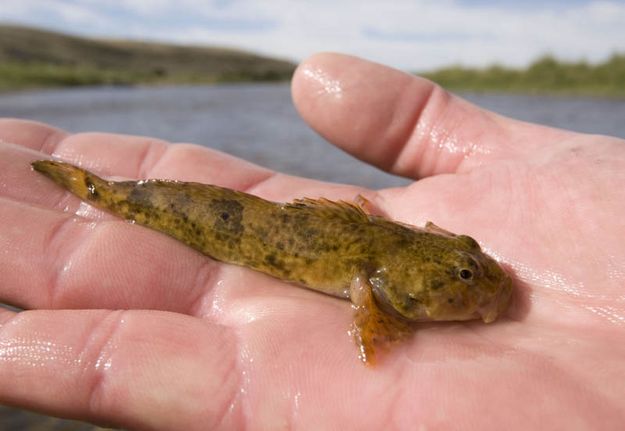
216, 73
408, 34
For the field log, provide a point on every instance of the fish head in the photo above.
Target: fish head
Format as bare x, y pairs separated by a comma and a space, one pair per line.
456, 280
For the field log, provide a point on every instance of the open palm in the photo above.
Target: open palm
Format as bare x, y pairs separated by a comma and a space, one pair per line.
128, 327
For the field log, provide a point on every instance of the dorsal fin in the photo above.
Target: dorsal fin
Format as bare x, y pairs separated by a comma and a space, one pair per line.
331, 209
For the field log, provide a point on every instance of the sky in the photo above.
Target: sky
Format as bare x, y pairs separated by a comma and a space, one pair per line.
415, 35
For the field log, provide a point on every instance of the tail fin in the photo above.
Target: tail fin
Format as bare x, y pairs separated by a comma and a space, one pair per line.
80, 182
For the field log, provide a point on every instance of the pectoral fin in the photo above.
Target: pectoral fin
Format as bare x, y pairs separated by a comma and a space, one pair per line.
373, 329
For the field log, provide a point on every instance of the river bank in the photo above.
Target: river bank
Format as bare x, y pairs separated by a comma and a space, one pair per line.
546, 76
34, 58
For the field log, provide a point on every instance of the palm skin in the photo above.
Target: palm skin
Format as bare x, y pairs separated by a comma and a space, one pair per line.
128, 327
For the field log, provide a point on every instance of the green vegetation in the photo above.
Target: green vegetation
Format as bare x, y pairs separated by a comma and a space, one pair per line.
37, 58
545, 76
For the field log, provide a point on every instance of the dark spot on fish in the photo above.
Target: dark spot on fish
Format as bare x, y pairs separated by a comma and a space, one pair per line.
233, 223
450, 300
272, 260
311, 233
414, 299
436, 284
140, 197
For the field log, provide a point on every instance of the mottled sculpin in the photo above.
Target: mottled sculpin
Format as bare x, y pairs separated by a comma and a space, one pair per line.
394, 274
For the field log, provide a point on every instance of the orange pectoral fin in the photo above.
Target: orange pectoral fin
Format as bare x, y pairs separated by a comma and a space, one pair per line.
373, 329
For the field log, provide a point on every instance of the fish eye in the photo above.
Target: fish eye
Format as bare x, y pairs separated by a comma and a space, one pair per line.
466, 274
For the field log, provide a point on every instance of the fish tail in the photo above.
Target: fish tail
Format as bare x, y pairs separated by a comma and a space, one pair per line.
80, 182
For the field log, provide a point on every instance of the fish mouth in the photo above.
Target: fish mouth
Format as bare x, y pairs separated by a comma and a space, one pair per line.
488, 314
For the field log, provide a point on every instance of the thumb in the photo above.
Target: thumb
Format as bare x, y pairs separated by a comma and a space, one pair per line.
402, 123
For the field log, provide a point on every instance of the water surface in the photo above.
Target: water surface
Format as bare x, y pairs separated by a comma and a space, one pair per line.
259, 123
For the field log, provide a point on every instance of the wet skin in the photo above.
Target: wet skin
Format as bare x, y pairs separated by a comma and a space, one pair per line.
394, 274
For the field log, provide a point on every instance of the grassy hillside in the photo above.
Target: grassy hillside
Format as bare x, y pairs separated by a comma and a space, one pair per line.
38, 58
545, 76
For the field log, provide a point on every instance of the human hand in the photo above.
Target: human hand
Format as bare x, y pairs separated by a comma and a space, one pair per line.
128, 327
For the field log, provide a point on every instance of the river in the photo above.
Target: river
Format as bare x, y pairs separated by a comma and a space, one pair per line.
259, 123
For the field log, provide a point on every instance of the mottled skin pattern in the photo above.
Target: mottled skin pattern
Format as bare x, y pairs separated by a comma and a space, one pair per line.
394, 274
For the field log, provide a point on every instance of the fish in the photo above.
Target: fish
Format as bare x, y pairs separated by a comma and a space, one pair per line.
395, 275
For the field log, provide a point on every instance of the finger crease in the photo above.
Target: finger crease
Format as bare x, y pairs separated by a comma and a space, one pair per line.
50, 142
257, 183
417, 138
237, 397
145, 164
97, 359
208, 274
52, 247
229, 407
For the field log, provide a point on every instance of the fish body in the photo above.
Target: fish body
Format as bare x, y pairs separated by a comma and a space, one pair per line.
394, 274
